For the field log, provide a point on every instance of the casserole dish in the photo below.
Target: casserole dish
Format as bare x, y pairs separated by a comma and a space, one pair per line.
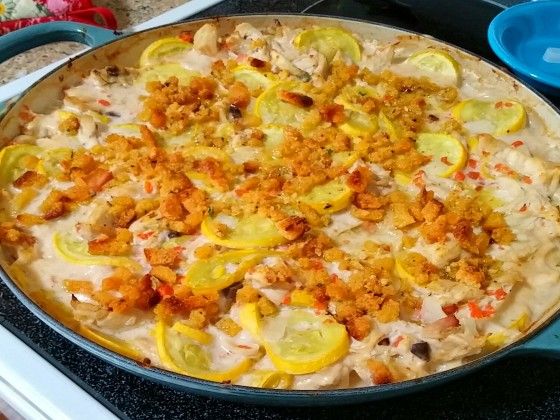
125, 52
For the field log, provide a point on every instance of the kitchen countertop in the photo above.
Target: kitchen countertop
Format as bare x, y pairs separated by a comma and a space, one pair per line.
515, 388
127, 12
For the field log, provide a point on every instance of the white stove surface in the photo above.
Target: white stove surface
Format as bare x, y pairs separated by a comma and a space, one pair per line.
31, 388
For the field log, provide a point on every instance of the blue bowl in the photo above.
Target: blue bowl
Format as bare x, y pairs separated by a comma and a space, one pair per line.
527, 38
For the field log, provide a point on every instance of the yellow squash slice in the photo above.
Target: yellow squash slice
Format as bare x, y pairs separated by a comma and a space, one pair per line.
154, 53
194, 334
309, 342
112, 343
409, 267
251, 320
328, 198
252, 78
12, 161
271, 379
162, 72
274, 137
350, 95
183, 355
253, 231
387, 126
358, 123
76, 252
438, 62
202, 181
222, 270
344, 159
505, 116
272, 110
51, 159
447, 153
329, 41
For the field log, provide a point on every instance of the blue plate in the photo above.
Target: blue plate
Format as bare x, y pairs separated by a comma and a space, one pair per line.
527, 38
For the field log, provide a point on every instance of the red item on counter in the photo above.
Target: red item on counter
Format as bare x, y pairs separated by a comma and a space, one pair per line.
16, 14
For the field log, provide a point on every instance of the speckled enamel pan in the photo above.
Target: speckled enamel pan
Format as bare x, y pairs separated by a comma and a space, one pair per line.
543, 337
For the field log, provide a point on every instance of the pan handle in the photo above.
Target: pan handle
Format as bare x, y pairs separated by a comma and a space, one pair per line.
545, 342
33, 36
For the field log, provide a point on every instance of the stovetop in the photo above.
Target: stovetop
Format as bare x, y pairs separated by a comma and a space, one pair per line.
524, 387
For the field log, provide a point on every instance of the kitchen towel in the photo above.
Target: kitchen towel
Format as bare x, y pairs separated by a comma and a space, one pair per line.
15, 14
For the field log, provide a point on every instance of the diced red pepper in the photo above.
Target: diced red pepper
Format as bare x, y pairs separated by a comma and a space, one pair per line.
474, 175
148, 187
287, 299
473, 163
526, 180
523, 208
459, 176
103, 102
146, 234
500, 294
186, 36
517, 143
477, 312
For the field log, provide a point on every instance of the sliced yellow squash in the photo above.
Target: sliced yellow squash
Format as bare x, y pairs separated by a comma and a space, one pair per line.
251, 320
274, 137
51, 159
202, 181
328, 198
344, 159
402, 178
303, 298
199, 336
222, 270
271, 379
162, 72
309, 342
350, 94
252, 78
438, 62
253, 231
272, 110
182, 355
505, 116
112, 343
75, 251
447, 152
12, 161
154, 52
358, 123
329, 41
387, 126
203, 152
128, 127
409, 266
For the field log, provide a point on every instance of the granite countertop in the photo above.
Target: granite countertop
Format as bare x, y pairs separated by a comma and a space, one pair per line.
127, 12
514, 388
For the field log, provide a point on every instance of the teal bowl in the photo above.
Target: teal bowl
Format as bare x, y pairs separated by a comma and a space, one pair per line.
527, 38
